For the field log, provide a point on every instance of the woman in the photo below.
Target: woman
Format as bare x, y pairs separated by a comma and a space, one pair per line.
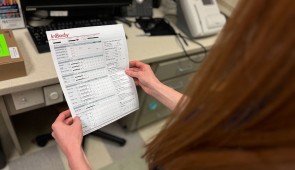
238, 111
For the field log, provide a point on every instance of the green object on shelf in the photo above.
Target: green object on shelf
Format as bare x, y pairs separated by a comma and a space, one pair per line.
4, 52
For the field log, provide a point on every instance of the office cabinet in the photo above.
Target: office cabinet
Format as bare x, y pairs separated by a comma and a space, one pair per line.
173, 68
14, 104
152, 110
27, 100
23, 101
176, 74
53, 94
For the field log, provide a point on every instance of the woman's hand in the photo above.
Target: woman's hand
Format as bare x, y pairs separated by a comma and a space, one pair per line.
143, 76
67, 132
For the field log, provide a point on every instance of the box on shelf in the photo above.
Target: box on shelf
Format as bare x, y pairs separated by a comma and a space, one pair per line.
11, 61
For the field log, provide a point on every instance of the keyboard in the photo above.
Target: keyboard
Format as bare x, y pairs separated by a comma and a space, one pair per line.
39, 37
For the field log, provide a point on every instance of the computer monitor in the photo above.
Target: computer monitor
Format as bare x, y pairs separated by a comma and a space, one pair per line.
73, 8
66, 4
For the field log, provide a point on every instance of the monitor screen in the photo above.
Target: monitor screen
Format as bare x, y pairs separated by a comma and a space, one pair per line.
65, 4
74, 8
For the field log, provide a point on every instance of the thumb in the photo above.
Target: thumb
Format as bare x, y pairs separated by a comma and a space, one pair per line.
77, 121
130, 72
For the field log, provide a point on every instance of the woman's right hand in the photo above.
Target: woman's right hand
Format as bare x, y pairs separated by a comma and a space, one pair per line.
143, 76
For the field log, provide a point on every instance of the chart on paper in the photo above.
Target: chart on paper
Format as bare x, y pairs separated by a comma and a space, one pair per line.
90, 64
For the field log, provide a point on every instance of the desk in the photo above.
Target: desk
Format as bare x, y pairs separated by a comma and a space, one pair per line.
41, 72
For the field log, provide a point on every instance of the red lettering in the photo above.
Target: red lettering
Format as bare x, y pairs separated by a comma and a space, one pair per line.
56, 35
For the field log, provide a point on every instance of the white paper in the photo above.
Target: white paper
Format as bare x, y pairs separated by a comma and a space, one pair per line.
90, 64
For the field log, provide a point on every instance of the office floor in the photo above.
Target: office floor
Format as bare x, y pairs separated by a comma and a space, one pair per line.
102, 154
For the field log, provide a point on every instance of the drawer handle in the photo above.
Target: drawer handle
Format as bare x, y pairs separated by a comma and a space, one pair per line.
53, 95
185, 69
24, 99
177, 86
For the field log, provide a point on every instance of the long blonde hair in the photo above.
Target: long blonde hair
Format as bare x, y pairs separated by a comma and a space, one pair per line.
243, 97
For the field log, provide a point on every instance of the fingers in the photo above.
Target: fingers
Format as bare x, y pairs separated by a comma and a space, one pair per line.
61, 118
63, 115
136, 82
76, 119
136, 64
134, 69
130, 72
69, 121
52, 134
77, 122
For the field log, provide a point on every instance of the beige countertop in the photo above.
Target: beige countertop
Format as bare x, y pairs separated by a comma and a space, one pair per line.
41, 71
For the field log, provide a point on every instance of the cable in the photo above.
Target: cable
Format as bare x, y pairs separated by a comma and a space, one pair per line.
196, 42
178, 36
185, 53
125, 21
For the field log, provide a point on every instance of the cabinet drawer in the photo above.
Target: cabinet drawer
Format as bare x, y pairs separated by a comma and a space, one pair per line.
170, 69
23, 101
27, 98
53, 94
152, 118
179, 83
153, 110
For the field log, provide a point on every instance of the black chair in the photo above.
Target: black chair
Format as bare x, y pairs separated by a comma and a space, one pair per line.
43, 139
2, 158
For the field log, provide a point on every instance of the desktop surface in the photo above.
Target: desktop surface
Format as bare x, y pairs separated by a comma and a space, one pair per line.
40, 68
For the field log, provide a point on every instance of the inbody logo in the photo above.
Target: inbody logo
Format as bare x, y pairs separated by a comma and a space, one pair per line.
56, 35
